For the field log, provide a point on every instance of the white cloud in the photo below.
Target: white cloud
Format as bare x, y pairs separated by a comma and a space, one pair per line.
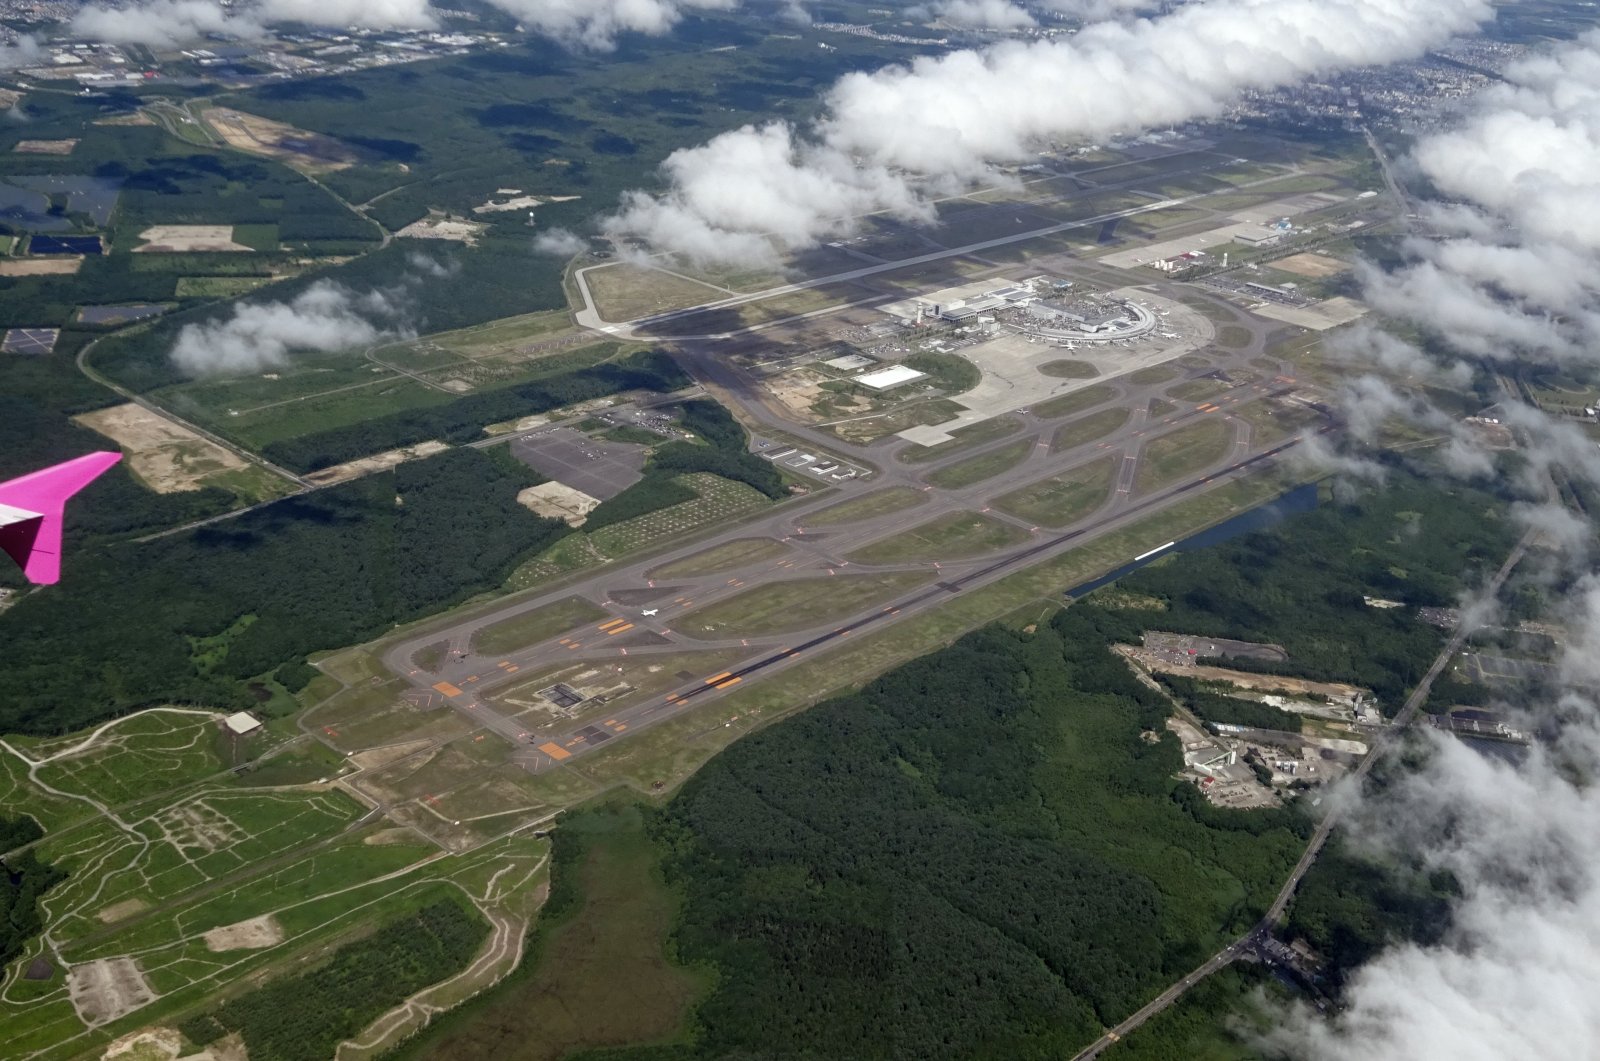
981, 14
560, 242
596, 24
160, 23
366, 14
23, 53
325, 317
887, 137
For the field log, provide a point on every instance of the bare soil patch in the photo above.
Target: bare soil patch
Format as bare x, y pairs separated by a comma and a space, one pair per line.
557, 501
253, 934
376, 463
168, 457
103, 990
118, 911
188, 239
444, 228
40, 266
1311, 264
45, 147
280, 141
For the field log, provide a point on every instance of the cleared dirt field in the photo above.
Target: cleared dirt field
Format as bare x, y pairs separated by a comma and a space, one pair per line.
626, 292
276, 140
40, 266
45, 147
376, 463
188, 239
557, 501
168, 457
257, 932
104, 990
1312, 265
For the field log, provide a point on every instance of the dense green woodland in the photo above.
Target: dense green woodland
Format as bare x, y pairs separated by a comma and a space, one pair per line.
190, 617
304, 1017
975, 856
1301, 585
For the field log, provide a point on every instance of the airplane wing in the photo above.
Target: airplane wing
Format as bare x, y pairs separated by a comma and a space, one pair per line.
31, 513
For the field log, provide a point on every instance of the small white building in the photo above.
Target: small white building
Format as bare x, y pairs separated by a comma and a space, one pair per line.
242, 723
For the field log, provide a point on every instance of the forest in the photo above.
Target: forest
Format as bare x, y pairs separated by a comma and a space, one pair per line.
23, 879
304, 1017
190, 618
464, 419
974, 856
1301, 585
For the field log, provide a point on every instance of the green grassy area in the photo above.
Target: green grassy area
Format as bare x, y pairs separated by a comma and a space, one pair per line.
1089, 428
962, 438
797, 604
1076, 402
1063, 499
1066, 368
1198, 390
217, 286
541, 624
868, 506
1181, 453
718, 500
953, 536
1158, 408
984, 466
722, 557
1146, 377
625, 292
137, 757
601, 971
1233, 336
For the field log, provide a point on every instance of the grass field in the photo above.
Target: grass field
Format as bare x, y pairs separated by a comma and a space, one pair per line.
1233, 336
602, 974
1066, 368
1182, 452
1063, 499
1089, 428
625, 292
984, 466
217, 286
541, 624
865, 429
1076, 402
990, 430
868, 506
1198, 390
798, 604
722, 557
953, 536
1146, 377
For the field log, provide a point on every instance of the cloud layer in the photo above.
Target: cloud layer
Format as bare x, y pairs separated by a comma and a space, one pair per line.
592, 24
888, 137
324, 318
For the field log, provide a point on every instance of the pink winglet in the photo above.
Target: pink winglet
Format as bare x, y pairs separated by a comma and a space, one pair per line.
31, 508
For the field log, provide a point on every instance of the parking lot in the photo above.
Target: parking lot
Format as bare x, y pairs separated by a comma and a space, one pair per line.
598, 468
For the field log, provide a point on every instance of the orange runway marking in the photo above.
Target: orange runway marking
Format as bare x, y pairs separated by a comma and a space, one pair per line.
574, 644
622, 727
611, 722
614, 622
624, 628
715, 678
730, 681
513, 669
472, 677
447, 689
555, 751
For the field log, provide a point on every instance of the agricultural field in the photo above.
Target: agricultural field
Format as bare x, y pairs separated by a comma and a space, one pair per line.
186, 880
